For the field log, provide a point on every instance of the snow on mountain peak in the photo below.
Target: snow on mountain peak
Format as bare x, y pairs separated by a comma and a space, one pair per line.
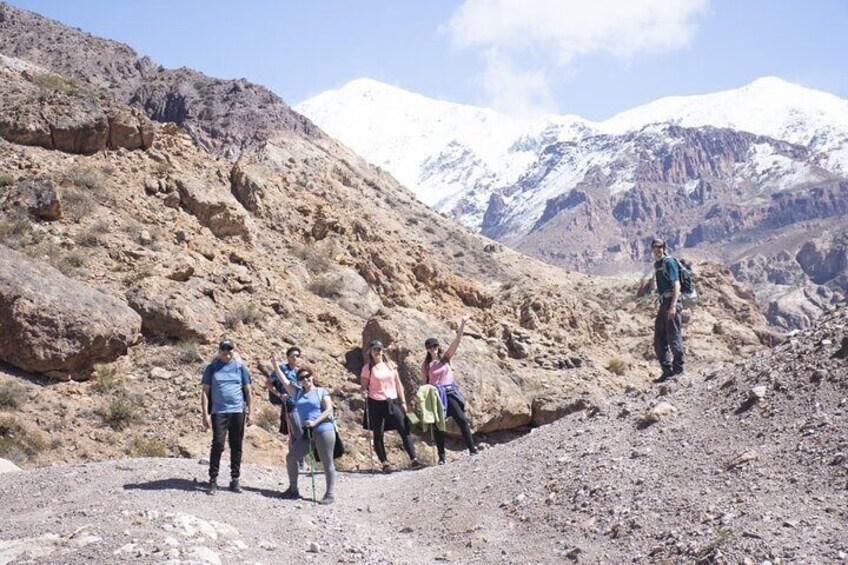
449, 153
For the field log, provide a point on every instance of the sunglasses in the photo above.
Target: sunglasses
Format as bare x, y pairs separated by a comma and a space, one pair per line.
295, 355
306, 376
431, 347
226, 348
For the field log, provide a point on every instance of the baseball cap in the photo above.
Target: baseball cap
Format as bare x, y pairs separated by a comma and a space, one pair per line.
431, 342
376, 344
227, 345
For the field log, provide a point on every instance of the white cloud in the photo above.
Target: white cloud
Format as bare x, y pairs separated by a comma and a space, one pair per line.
548, 34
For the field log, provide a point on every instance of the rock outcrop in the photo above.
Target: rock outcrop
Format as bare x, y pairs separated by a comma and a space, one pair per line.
52, 323
175, 310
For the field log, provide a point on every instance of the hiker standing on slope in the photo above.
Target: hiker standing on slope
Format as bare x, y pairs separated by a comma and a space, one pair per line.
287, 372
386, 404
436, 370
226, 396
668, 332
315, 409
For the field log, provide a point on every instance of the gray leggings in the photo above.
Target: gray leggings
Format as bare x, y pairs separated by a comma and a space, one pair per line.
325, 441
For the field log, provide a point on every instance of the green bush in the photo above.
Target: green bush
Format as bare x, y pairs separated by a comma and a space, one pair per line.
12, 394
106, 378
17, 443
119, 414
147, 447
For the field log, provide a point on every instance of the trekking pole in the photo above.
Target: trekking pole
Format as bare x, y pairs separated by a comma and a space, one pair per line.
311, 457
370, 434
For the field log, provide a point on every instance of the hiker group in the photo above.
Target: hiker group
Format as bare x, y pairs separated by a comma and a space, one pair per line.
306, 410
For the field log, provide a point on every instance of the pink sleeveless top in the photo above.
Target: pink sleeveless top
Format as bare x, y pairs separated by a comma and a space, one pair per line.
440, 373
381, 382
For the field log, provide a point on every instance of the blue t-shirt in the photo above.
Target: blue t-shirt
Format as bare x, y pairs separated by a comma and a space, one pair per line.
309, 407
226, 381
291, 375
666, 272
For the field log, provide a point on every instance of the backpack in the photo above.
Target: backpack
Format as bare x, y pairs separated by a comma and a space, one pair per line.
278, 386
687, 282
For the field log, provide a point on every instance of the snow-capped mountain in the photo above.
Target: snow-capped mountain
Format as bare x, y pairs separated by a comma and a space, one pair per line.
455, 157
718, 174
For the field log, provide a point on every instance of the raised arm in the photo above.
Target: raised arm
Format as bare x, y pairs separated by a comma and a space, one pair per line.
291, 390
455, 343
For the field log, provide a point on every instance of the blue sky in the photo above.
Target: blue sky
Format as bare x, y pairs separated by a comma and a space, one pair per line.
591, 58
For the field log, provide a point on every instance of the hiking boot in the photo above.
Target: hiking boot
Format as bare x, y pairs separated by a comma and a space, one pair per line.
678, 372
473, 451
666, 374
416, 464
234, 486
442, 461
326, 500
387, 468
290, 494
212, 488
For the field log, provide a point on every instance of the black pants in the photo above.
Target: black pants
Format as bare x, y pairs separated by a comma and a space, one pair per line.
382, 412
668, 335
223, 424
458, 415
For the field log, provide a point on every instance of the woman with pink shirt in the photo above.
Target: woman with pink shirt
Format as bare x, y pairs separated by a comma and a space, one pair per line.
386, 404
437, 371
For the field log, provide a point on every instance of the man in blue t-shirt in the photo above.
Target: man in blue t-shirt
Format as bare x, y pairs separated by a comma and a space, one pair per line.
287, 371
668, 335
226, 397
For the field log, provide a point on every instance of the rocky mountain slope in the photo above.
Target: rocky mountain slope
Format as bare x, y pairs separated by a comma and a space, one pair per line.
742, 464
742, 177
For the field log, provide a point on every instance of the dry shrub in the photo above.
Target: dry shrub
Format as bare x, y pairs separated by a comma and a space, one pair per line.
617, 366
188, 352
77, 204
106, 378
147, 447
315, 258
17, 443
269, 419
246, 313
12, 395
119, 414
6, 180
327, 286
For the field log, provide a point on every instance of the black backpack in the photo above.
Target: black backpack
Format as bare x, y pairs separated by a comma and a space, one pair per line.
687, 282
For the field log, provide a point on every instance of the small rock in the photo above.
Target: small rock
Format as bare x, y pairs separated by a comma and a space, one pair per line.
818, 375
314, 547
660, 411
160, 373
267, 545
757, 393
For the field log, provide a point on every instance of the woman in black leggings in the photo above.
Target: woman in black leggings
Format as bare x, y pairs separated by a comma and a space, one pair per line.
386, 404
436, 370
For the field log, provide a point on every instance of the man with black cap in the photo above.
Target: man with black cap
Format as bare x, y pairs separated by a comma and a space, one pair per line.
668, 336
226, 397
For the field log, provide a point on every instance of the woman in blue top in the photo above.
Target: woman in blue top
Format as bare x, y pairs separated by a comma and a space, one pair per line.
315, 409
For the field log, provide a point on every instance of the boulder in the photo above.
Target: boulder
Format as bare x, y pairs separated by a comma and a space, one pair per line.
41, 198
548, 408
50, 322
494, 401
348, 289
215, 209
171, 309
7, 466
128, 128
